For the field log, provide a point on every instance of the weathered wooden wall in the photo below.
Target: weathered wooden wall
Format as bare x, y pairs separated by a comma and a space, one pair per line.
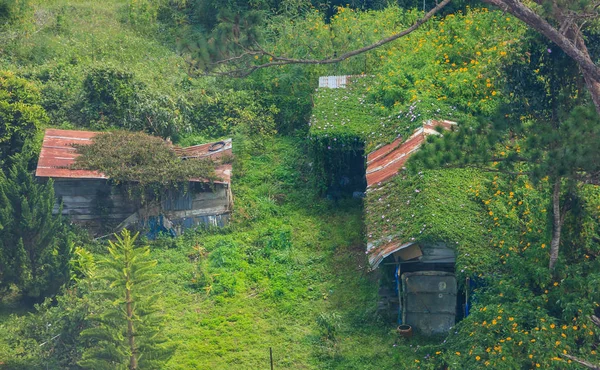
96, 201
92, 200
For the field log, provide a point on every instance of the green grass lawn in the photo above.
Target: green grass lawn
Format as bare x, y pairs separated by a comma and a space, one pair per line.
285, 271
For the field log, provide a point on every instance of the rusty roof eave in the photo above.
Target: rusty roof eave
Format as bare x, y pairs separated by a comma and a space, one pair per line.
378, 254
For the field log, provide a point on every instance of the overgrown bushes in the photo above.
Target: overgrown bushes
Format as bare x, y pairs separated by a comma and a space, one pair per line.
21, 115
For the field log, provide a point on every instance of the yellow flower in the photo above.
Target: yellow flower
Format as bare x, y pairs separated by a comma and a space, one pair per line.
552, 326
458, 353
477, 358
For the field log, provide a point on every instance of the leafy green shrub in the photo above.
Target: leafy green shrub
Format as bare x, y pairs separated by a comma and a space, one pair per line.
11, 11
49, 336
109, 96
217, 113
21, 116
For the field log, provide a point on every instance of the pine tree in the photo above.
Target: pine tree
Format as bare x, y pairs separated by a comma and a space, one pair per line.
35, 246
126, 334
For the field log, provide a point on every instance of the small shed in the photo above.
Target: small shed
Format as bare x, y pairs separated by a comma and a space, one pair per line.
422, 286
91, 199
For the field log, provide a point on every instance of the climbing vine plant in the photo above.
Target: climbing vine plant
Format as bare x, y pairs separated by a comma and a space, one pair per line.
146, 160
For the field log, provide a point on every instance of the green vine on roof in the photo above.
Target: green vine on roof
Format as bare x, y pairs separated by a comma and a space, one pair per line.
431, 206
143, 159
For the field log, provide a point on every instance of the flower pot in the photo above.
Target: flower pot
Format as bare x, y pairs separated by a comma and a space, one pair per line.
405, 331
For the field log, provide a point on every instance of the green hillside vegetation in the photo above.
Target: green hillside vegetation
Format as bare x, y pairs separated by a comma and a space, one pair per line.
290, 273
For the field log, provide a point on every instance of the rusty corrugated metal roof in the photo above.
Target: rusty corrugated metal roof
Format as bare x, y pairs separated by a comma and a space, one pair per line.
58, 154
385, 162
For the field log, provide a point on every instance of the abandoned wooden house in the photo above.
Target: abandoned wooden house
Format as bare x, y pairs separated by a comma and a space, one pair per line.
91, 199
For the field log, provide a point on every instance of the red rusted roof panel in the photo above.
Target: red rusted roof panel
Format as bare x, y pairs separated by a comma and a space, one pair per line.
383, 151
58, 154
385, 162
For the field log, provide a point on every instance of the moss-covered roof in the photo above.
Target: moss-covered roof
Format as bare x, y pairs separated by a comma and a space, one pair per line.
431, 206
348, 112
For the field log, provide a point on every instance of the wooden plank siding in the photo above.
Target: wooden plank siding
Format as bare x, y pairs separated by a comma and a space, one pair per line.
97, 201
92, 199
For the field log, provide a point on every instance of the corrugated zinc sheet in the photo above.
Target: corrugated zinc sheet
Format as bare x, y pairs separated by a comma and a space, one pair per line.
58, 154
333, 82
177, 201
377, 254
385, 162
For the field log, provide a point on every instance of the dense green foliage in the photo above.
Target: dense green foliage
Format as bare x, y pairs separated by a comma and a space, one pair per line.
20, 113
524, 315
35, 246
451, 72
423, 208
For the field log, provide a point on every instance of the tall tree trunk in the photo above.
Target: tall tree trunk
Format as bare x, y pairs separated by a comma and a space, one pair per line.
568, 39
556, 224
130, 333
592, 84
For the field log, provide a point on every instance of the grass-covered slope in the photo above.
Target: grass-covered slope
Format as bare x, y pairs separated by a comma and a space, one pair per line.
289, 274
